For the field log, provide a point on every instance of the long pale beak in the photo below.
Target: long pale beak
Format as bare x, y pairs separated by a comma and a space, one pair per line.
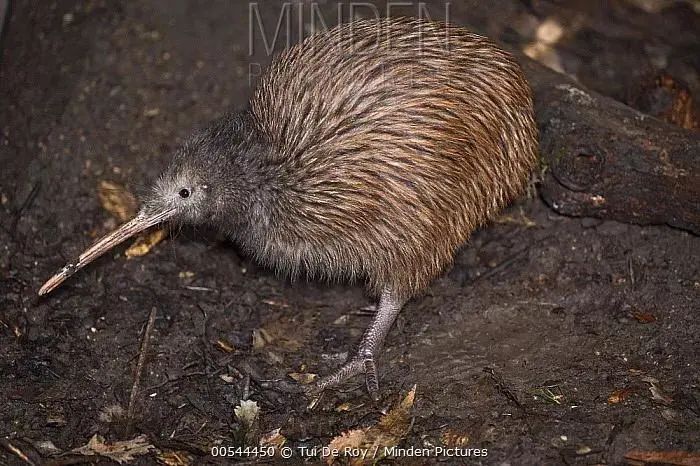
136, 225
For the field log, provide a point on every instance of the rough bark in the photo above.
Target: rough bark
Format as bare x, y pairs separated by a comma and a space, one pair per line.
604, 159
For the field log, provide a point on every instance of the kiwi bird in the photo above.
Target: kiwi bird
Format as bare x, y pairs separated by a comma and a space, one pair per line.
368, 152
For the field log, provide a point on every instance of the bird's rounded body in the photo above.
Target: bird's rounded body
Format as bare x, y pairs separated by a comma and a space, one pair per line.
371, 151
392, 141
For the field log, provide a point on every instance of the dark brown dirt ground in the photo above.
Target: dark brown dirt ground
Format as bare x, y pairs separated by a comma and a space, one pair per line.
94, 90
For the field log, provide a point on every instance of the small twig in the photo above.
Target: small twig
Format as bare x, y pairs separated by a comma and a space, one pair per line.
25, 205
502, 266
139, 371
199, 288
546, 394
205, 338
70, 460
630, 267
502, 387
222, 367
15, 450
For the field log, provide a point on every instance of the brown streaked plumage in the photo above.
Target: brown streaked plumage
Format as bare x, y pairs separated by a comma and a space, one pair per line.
368, 152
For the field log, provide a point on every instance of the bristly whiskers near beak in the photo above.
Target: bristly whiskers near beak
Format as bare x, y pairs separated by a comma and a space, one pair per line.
141, 222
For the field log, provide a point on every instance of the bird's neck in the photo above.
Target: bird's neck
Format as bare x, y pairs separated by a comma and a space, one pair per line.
266, 195
258, 180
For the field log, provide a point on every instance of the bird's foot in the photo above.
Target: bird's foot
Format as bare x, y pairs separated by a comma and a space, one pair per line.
363, 363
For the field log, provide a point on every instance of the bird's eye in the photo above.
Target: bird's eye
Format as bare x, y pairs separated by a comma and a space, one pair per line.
184, 193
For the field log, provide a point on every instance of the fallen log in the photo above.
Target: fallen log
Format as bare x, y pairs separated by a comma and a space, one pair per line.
604, 159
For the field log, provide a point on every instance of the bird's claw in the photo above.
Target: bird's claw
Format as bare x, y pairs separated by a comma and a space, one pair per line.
356, 366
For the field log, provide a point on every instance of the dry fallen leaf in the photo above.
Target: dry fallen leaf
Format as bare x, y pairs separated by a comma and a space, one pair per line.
303, 378
119, 202
387, 433
352, 439
273, 439
619, 395
644, 317
453, 439
175, 458
225, 346
598, 200
583, 450
145, 243
227, 378
261, 338
47, 447
347, 406
116, 200
656, 392
122, 451
676, 458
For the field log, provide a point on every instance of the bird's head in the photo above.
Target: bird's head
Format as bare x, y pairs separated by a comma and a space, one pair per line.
205, 183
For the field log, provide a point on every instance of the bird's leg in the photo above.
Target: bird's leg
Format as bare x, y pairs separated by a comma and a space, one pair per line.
372, 341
